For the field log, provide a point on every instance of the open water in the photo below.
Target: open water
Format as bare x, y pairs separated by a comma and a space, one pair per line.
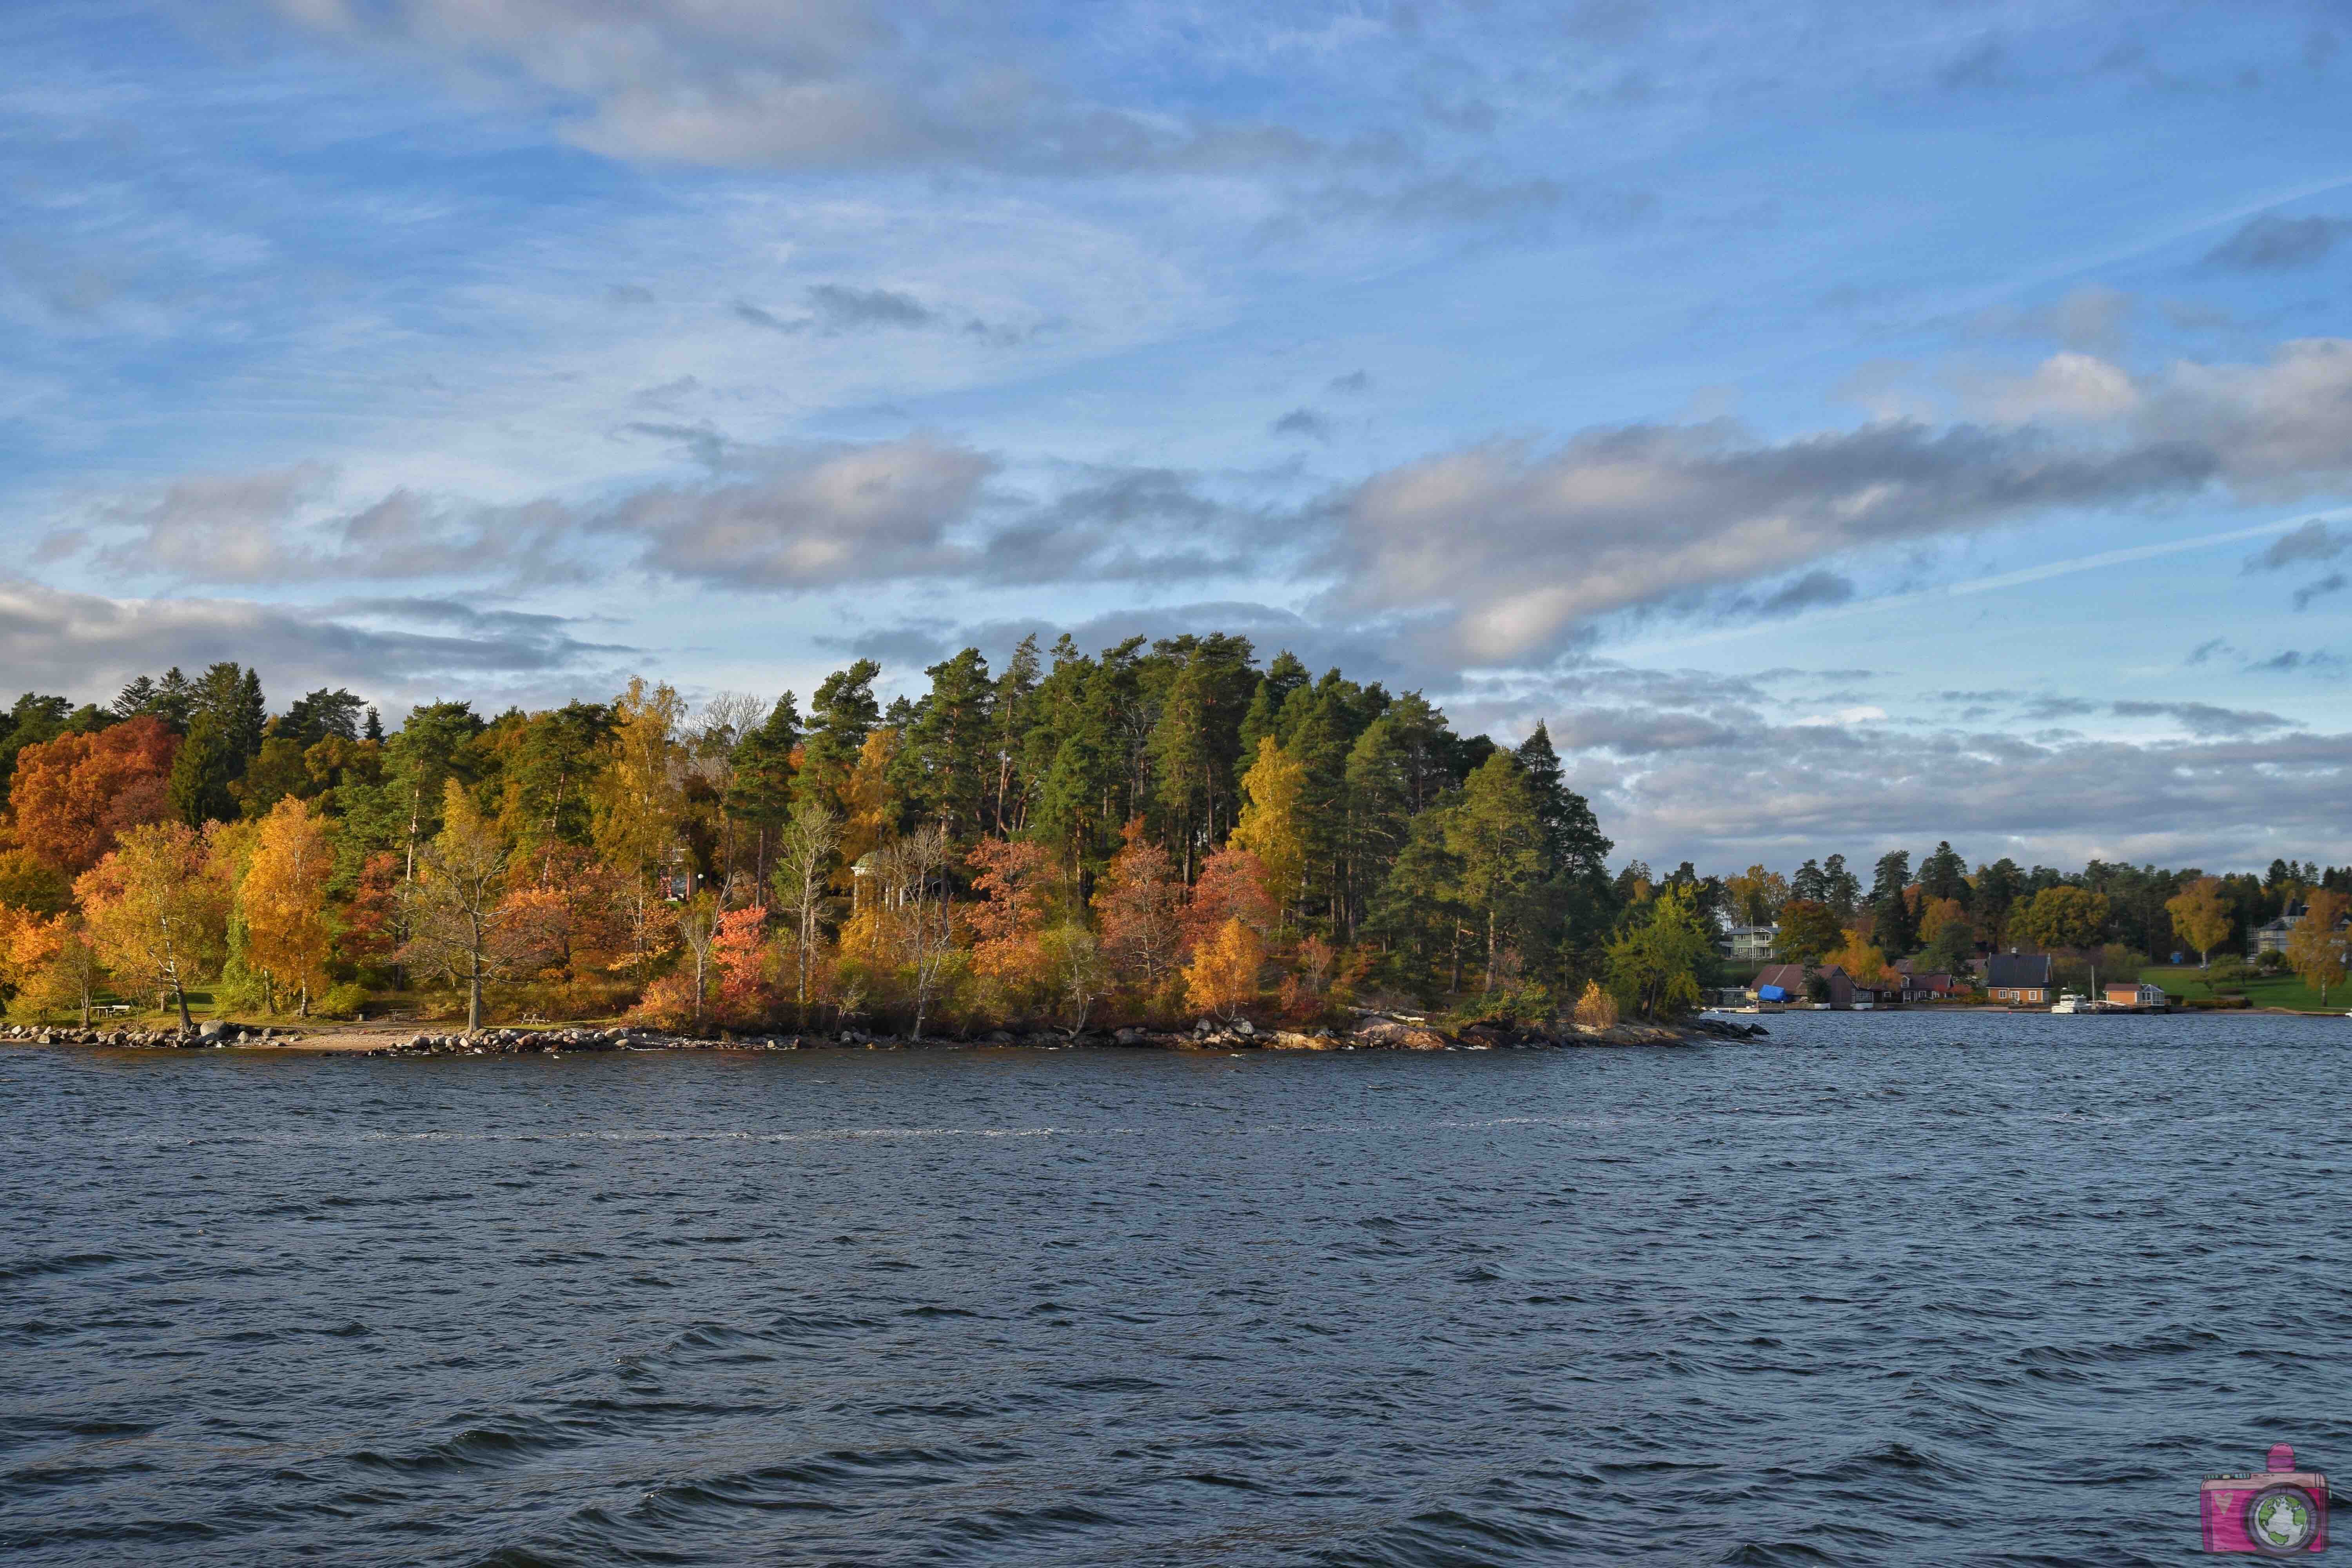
1902, 1289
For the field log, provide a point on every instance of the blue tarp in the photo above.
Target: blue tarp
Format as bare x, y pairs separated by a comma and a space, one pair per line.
1771, 993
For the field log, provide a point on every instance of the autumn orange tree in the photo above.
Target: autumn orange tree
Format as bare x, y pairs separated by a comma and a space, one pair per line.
158, 916
1140, 905
283, 902
72, 795
1222, 979
1015, 882
48, 962
746, 963
1233, 887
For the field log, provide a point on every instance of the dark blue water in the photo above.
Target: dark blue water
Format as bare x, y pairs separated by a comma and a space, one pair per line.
1893, 1289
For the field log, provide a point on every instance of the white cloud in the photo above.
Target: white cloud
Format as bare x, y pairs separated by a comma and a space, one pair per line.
2074, 387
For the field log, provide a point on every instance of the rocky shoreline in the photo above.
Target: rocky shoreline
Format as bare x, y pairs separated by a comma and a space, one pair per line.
1372, 1031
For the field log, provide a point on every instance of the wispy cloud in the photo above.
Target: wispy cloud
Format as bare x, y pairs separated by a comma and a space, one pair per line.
89, 645
2271, 243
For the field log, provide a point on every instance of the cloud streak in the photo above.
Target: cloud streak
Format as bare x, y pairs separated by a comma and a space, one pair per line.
89, 645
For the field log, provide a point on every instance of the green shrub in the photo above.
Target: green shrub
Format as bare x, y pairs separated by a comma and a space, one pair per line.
347, 1000
1525, 1003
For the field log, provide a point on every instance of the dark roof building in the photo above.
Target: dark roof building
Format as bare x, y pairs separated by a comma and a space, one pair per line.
2018, 977
1793, 979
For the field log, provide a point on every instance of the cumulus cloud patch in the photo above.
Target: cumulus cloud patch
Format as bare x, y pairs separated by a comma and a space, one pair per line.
2065, 386
1525, 544
881, 510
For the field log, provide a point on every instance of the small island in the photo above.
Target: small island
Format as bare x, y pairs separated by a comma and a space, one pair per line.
1161, 843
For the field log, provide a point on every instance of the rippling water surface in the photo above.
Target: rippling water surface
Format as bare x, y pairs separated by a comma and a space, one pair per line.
1883, 1289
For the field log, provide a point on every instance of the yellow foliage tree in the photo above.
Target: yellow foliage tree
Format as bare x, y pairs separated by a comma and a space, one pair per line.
283, 899
638, 800
1863, 963
458, 916
1223, 976
158, 916
1272, 825
1937, 914
2201, 916
1757, 895
870, 803
2316, 949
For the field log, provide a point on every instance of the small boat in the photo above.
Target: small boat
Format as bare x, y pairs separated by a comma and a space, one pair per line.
2070, 1002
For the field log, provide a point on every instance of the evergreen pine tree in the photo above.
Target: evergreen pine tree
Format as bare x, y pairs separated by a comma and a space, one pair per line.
947, 750
206, 765
841, 715
1378, 815
1263, 718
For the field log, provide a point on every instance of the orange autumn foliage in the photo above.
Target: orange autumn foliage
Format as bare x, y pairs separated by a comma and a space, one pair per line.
72, 796
749, 968
1015, 884
1231, 888
1141, 904
569, 923
1223, 976
48, 964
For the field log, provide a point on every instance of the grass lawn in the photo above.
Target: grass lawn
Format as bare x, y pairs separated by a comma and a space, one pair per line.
2286, 990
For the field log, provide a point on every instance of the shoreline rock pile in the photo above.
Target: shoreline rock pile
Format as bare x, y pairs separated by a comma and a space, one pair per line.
1371, 1032
206, 1036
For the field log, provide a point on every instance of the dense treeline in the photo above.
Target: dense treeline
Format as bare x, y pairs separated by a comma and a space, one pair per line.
2111, 916
1155, 831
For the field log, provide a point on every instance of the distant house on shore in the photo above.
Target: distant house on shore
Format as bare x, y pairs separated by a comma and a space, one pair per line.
2134, 993
1748, 945
2271, 936
2020, 977
1791, 981
1920, 985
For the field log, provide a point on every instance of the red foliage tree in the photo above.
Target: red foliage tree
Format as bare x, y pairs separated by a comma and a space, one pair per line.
1015, 884
747, 964
1140, 903
371, 931
73, 796
1231, 888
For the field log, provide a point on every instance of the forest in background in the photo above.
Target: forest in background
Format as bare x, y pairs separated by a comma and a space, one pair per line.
1153, 834
1156, 832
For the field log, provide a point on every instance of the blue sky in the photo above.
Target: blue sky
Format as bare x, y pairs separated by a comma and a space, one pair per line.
1848, 426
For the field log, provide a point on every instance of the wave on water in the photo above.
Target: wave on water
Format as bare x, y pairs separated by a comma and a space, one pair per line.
1847, 1301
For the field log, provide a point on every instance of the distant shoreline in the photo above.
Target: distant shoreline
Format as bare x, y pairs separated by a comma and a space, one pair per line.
1379, 1033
